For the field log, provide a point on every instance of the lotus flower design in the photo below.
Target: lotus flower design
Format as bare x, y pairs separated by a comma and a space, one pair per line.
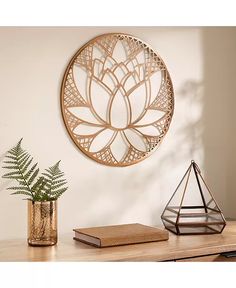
118, 100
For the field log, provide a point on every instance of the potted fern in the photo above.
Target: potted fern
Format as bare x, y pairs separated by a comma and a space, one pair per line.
41, 191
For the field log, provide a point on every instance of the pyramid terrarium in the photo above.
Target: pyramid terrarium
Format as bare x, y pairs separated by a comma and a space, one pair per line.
192, 208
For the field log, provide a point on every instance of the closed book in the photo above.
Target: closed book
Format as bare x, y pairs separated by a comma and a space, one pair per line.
105, 236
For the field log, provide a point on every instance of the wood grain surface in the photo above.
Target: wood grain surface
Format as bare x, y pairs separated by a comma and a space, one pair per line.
177, 247
105, 236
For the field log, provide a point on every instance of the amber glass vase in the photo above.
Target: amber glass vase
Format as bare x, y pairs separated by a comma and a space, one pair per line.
42, 223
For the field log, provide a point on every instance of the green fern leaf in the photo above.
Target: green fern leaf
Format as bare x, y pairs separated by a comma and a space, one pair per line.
53, 179
20, 188
26, 165
60, 191
19, 177
22, 193
11, 157
54, 187
47, 187
14, 173
21, 157
18, 163
31, 170
22, 183
34, 175
37, 184
58, 176
12, 152
48, 171
9, 162
38, 189
47, 175
59, 181
23, 161
11, 167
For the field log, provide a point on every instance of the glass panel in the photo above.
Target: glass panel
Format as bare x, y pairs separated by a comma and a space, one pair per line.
200, 218
193, 209
170, 214
216, 228
169, 226
196, 230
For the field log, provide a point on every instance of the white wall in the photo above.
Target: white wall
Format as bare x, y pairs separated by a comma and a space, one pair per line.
32, 63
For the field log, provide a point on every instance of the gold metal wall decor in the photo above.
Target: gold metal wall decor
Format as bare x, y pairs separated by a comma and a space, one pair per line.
117, 99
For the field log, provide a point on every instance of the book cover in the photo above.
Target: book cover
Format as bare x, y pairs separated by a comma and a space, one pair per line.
105, 236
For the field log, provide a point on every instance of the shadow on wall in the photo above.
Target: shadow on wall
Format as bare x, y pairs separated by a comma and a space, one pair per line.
187, 145
219, 46
207, 134
145, 194
205, 127
202, 129
4, 183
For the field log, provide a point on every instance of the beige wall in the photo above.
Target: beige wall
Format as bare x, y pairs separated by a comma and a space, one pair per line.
202, 64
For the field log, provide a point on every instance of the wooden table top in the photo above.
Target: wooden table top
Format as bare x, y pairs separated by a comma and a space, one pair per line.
177, 247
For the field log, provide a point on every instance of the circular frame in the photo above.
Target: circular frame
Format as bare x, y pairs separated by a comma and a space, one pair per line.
71, 92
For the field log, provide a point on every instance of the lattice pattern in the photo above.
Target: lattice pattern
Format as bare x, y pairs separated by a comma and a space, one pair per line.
72, 96
71, 120
136, 71
105, 155
84, 58
164, 102
152, 142
107, 44
84, 142
134, 154
133, 47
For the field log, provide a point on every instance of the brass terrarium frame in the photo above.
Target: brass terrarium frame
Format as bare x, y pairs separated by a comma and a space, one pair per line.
205, 218
71, 96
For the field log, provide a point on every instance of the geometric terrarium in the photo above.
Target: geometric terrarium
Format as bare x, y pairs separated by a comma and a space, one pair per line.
192, 208
117, 99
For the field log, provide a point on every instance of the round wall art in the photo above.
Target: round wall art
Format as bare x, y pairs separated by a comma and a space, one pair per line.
117, 99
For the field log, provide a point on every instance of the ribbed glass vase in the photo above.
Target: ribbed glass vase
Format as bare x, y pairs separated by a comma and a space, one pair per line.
42, 223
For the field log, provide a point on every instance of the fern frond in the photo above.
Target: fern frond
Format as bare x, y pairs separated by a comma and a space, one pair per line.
26, 165
59, 181
8, 175
22, 193
18, 188
18, 177
54, 187
47, 187
18, 163
39, 190
59, 176
37, 184
31, 170
53, 179
22, 156
59, 192
11, 167
13, 152
9, 162
23, 161
33, 176
22, 183
47, 175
